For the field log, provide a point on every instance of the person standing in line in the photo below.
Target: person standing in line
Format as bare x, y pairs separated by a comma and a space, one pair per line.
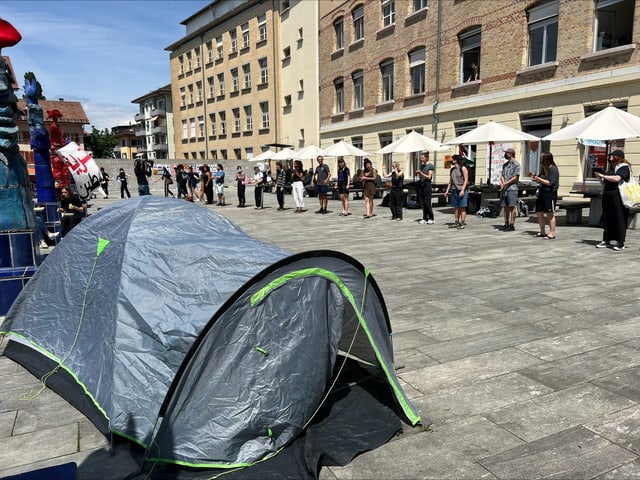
258, 181
104, 182
509, 179
207, 182
219, 181
368, 177
397, 186
547, 195
458, 182
202, 194
192, 182
614, 213
298, 176
166, 181
241, 184
425, 189
123, 178
344, 182
281, 179
142, 171
181, 181
320, 179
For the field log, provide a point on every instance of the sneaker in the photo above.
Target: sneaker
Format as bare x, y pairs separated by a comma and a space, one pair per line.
461, 226
423, 222
603, 244
320, 211
454, 225
504, 227
324, 211
430, 222
53, 235
509, 228
43, 244
618, 247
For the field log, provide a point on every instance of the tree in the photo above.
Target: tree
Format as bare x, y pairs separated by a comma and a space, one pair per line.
30, 76
101, 143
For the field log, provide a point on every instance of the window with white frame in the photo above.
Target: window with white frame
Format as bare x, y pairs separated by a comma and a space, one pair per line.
236, 120
209, 51
190, 88
264, 109
248, 152
388, 12
185, 130
613, 26
235, 81
264, 72
197, 55
386, 72
189, 63
470, 41
211, 87
183, 96
358, 89
199, 91
338, 84
223, 153
192, 122
233, 35
543, 32
219, 46
223, 122
419, 5
221, 84
248, 118
181, 62
358, 22
385, 139
246, 70
417, 71
212, 123
538, 124
245, 35
201, 127
357, 160
262, 27
338, 28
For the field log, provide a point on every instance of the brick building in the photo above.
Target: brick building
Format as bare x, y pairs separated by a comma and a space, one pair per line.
443, 67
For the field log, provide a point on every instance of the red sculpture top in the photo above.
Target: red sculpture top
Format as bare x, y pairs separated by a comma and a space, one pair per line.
9, 36
56, 136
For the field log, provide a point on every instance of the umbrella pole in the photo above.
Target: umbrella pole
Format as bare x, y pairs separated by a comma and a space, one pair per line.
490, 162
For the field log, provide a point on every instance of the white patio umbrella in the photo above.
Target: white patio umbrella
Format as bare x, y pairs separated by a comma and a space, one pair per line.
343, 149
490, 133
266, 155
284, 154
310, 151
413, 142
610, 123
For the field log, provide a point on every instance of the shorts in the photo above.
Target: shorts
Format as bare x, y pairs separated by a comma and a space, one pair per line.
546, 201
321, 189
343, 190
508, 198
220, 189
457, 201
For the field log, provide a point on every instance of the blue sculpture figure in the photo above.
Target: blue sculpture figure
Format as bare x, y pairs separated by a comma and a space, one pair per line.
40, 144
16, 209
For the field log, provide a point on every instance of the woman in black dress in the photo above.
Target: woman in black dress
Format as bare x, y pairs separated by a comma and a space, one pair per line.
615, 214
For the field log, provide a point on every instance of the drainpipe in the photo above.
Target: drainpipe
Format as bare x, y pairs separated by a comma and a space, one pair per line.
275, 72
204, 98
437, 96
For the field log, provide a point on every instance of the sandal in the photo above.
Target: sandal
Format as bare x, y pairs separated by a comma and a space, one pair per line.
547, 237
541, 235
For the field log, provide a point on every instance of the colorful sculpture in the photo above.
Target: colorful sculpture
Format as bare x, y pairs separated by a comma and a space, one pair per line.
56, 136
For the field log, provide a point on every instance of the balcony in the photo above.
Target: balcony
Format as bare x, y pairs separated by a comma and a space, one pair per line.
141, 132
139, 117
160, 147
159, 112
159, 129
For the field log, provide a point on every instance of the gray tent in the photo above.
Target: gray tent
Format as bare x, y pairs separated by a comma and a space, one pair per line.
167, 325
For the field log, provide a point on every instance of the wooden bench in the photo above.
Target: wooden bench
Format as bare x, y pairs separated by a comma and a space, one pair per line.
573, 209
634, 224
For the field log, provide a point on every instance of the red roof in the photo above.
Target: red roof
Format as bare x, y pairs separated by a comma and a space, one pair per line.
72, 112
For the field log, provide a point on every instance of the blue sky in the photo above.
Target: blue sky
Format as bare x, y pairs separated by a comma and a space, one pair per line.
100, 53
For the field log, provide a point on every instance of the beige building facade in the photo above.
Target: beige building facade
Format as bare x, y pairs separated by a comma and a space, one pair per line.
443, 67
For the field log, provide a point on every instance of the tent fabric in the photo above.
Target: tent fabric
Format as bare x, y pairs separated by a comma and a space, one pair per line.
169, 326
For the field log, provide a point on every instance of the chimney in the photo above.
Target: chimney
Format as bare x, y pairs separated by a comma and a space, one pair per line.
61, 99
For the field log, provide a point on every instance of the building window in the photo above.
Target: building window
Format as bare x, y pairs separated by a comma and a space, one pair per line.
468, 152
212, 89
220, 46
221, 84
470, 55
248, 118
286, 53
181, 61
246, 70
212, 122
338, 27
357, 160
264, 72
540, 126
262, 27
284, 6
190, 94
385, 139
192, 132
249, 152
543, 32
223, 153
358, 23
189, 65
197, 52
183, 97
234, 40
287, 101
236, 120
419, 5
245, 35
358, 89
185, 130
209, 51
386, 71
613, 23
235, 82
199, 91
201, 126
388, 12
223, 122
264, 108
338, 84
417, 71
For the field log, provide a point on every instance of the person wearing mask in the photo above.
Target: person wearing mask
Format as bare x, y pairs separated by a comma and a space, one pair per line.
298, 176
207, 182
104, 182
368, 177
281, 179
142, 171
458, 182
166, 181
397, 186
615, 215
192, 181
320, 179
258, 192
509, 179
344, 182
241, 183
425, 189
219, 184
548, 179
123, 178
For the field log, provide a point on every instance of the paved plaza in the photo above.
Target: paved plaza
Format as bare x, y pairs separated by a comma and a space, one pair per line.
521, 354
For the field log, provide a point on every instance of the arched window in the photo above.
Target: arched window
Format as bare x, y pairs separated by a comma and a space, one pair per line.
338, 83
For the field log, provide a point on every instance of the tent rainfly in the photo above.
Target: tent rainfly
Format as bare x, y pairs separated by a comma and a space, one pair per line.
167, 325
